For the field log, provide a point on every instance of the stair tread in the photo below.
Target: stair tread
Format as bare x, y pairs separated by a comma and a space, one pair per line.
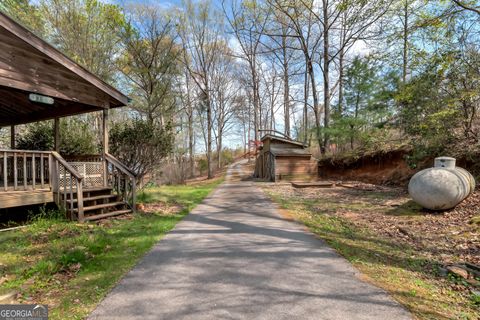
101, 206
97, 189
106, 215
107, 196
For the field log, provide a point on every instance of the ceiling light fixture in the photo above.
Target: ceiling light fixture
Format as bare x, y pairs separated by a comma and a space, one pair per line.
40, 99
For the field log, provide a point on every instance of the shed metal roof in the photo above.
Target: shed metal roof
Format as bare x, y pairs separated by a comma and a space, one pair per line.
291, 152
282, 139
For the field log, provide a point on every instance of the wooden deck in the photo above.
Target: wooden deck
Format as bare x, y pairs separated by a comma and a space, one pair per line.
24, 198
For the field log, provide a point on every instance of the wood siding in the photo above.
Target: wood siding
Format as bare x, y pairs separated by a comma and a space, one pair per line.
283, 160
295, 168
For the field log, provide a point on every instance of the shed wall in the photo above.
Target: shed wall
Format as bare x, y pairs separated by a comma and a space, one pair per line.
290, 168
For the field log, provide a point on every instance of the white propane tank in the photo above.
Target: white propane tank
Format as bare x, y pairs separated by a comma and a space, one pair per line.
441, 187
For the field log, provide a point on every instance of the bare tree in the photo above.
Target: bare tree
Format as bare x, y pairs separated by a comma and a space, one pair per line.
280, 48
188, 102
224, 88
247, 20
307, 32
200, 33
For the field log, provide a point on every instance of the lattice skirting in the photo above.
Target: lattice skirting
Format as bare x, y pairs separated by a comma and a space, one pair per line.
92, 172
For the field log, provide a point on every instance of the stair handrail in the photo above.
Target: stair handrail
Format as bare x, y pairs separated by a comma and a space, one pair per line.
125, 170
120, 165
67, 166
57, 159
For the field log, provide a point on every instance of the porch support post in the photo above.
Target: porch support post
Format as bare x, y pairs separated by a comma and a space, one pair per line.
105, 145
56, 130
105, 131
12, 137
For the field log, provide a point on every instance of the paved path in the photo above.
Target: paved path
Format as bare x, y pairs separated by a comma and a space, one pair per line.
234, 257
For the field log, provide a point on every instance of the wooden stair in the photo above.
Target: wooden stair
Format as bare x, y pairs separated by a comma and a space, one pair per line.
98, 203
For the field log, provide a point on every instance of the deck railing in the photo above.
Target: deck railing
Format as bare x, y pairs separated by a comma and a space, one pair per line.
25, 170
22, 170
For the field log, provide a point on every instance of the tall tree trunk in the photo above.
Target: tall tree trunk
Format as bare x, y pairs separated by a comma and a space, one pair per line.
219, 149
305, 106
244, 138
220, 133
209, 133
341, 60
326, 78
190, 129
256, 102
316, 104
286, 85
272, 108
209, 141
190, 144
405, 42
249, 130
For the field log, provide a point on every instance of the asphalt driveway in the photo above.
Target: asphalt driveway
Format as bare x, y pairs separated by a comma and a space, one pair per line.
234, 257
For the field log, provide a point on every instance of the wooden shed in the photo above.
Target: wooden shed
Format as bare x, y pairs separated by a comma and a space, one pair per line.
281, 158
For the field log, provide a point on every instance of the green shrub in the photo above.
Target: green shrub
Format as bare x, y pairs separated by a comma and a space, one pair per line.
141, 145
76, 137
37, 136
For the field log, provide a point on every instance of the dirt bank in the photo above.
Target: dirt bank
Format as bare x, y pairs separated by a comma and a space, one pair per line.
388, 168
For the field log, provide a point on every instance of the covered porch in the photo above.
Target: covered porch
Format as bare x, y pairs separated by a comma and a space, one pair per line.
38, 83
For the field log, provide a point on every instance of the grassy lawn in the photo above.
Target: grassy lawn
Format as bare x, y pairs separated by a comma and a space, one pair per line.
411, 277
72, 266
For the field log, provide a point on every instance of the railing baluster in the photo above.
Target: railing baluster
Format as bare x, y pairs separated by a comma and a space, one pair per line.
5, 171
80, 201
34, 176
105, 171
25, 171
71, 195
51, 172
118, 182
15, 172
57, 177
134, 194
125, 187
42, 169
65, 189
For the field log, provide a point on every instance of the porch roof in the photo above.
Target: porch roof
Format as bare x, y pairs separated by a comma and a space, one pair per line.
30, 65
